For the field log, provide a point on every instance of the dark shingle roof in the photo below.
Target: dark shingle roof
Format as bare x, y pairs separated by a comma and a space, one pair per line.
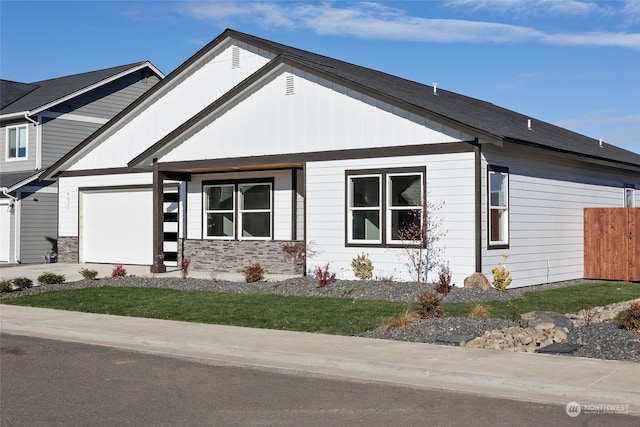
10, 179
21, 97
484, 116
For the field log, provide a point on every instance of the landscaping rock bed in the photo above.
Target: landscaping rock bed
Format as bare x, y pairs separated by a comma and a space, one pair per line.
601, 339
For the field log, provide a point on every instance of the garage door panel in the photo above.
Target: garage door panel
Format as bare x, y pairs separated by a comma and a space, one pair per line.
116, 227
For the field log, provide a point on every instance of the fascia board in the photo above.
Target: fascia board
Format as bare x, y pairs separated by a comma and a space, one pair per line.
24, 182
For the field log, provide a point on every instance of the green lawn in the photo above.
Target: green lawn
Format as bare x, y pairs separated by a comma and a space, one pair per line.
311, 314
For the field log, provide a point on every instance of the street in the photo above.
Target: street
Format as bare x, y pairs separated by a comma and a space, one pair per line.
47, 382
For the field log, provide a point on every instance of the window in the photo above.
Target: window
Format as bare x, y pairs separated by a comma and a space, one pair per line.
629, 196
238, 210
381, 205
17, 142
498, 207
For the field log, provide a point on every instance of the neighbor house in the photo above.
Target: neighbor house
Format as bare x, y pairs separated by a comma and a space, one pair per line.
251, 144
39, 123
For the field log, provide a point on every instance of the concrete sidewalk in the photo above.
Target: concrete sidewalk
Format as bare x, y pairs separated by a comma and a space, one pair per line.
528, 377
72, 272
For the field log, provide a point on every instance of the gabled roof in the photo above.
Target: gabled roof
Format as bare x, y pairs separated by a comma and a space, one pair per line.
20, 98
482, 119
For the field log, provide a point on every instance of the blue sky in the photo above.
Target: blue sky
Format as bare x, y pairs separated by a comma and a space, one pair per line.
574, 63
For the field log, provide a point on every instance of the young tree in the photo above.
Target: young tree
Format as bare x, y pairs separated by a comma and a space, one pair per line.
420, 232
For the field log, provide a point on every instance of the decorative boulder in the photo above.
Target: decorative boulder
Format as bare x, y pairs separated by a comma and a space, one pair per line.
534, 318
477, 281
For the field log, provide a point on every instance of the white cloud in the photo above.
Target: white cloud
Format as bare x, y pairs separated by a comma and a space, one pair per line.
378, 21
549, 7
595, 39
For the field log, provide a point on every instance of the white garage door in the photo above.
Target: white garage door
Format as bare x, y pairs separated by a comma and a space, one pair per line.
116, 226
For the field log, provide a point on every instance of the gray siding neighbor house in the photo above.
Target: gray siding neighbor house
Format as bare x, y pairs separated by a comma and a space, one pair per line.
251, 145
40, 122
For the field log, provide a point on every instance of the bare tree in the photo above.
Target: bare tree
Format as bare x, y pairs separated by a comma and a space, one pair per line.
420, 232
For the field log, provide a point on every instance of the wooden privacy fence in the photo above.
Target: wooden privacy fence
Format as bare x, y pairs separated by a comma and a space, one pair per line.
612, 243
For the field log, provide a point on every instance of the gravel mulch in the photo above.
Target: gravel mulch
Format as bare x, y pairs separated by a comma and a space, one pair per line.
601, 340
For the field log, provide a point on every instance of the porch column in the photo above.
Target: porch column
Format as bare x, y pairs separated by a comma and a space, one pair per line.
158, 220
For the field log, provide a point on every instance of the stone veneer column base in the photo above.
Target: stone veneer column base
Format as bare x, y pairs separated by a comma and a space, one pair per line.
233, 255
68, 249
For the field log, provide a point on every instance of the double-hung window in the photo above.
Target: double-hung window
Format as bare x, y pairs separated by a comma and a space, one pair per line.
17, 142
383, 205
240, 210
498, 207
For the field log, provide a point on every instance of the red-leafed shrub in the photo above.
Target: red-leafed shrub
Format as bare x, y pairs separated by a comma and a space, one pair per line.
118, 271
253, 273
324, 276
184, 267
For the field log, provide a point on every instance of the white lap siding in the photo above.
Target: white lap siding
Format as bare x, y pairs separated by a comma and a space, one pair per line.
449, 181
547, 197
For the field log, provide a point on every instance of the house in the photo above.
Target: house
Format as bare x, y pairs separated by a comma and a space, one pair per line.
39, 123
251, 144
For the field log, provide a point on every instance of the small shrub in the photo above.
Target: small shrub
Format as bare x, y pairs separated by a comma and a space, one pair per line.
119, 271
362, 266
401, 321
184, 267
629, 319
444, 280
501, 276
323, 276
253, 273
22, 283
88, 274
430, 305
48, 278
479, 312
6, 286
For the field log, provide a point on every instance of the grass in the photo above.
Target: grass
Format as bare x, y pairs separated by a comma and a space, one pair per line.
338, 316
562, 300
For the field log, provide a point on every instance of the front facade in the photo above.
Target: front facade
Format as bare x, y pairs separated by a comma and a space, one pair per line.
273, 146
39, 123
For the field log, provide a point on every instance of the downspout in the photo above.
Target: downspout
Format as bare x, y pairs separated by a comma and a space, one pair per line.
13, 204
38, 141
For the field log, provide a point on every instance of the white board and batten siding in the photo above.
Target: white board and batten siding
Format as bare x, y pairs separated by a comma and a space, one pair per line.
282, 200
318, 116
450, 183
209, 78
547, 197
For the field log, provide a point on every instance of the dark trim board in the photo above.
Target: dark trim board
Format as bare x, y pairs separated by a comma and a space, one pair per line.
319, 156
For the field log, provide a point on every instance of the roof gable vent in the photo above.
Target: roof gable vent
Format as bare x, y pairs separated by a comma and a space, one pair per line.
235, 57
289, 88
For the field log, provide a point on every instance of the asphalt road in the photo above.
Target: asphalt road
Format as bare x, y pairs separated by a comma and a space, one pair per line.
55, 383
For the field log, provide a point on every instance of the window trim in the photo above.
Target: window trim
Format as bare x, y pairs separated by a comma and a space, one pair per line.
629, 188
237, 214
385, 226
502, 244
26, 147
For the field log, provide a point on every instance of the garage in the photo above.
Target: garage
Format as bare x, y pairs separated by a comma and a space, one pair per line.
116, 226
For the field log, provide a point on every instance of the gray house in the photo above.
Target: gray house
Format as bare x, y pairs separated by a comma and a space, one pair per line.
39, 123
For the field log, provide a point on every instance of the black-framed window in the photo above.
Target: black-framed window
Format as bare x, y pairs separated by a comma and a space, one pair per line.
382, 204
241, 210
498, 207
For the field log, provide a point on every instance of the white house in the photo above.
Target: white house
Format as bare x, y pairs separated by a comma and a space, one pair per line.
250, 144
